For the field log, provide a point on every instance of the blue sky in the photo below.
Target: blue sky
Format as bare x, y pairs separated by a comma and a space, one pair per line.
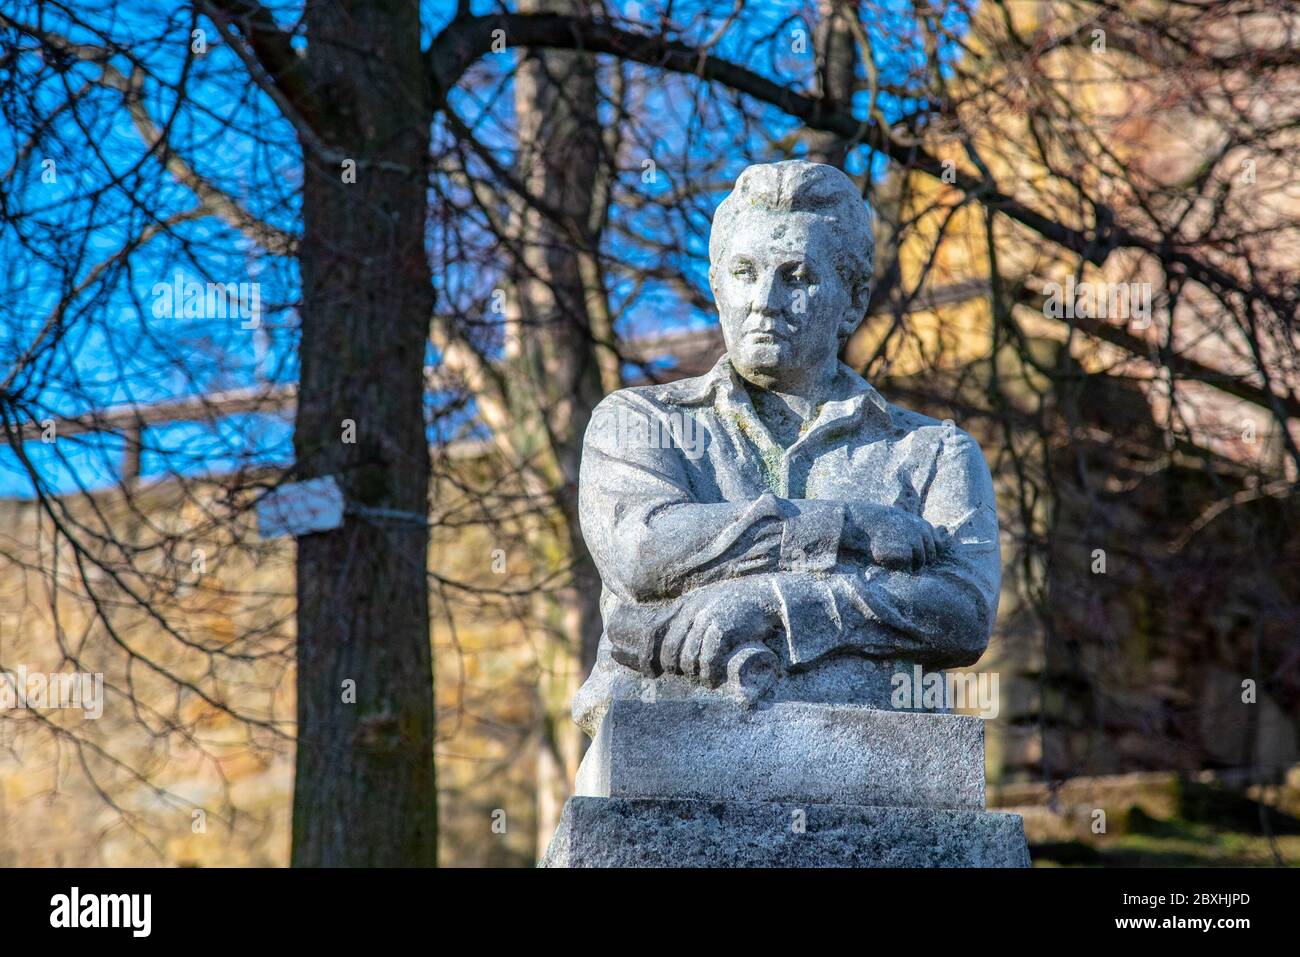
111, 346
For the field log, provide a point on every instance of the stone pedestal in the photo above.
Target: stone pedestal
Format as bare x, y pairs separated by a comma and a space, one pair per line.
710, 784
630, 832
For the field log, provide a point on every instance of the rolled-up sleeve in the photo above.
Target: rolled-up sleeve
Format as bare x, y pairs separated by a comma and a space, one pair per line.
941, 615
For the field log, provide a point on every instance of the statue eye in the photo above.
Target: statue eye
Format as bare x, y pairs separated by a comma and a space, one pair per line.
799, 274
743, 270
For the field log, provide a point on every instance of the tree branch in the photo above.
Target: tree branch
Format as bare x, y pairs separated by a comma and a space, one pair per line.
272, 47
465, 40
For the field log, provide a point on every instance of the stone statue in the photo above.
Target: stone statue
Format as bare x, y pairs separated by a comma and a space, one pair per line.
777, 543
778, 505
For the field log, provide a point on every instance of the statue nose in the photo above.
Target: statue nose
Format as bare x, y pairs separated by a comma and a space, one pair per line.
767, 297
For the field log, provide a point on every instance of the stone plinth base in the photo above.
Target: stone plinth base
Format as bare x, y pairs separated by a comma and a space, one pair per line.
694, 783
789, 751
626, 832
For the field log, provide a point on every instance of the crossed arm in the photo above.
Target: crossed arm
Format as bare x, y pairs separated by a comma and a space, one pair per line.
689, 581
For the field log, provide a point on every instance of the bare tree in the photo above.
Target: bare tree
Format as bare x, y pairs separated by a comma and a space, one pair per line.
471, 235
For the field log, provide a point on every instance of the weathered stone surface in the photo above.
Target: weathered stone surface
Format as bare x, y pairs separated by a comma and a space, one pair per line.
757, 526
791, 751
623, 832
776, 543
847, 679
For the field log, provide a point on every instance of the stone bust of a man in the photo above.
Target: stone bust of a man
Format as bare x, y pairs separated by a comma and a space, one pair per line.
778, 506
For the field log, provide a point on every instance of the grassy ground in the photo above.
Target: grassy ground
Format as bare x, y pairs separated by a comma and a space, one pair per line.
1181, 844
1157, 820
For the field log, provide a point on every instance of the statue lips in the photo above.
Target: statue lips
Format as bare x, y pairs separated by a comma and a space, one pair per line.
766, 338
764, 350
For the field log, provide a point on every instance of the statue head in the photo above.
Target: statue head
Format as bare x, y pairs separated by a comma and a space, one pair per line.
790, 258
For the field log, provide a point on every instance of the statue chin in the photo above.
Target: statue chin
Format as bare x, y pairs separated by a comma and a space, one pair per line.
761, 362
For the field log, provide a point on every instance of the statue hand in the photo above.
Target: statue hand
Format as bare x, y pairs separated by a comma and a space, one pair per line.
894, 538
700, 650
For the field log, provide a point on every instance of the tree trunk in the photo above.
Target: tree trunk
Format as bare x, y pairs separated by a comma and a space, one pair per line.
364, 791
836, 64
555, 347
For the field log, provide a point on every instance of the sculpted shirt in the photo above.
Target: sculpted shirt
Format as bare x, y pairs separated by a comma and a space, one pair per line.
685, 495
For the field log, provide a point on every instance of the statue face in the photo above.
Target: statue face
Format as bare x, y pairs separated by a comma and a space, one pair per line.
780, 296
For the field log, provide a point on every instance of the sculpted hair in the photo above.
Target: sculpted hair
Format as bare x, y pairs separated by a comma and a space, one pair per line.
797, 186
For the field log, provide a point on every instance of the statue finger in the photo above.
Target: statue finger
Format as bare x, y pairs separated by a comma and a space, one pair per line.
690, 660
891, 556
927, 541
947, 542
670, 653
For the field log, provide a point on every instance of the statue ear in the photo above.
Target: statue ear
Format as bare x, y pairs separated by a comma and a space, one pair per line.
862, 295
855, 316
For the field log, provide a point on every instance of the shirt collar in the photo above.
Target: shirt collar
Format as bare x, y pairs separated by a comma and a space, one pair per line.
861, 404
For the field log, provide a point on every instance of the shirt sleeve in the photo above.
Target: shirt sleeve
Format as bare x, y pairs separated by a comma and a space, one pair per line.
932, 617
940, 616
650, 538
